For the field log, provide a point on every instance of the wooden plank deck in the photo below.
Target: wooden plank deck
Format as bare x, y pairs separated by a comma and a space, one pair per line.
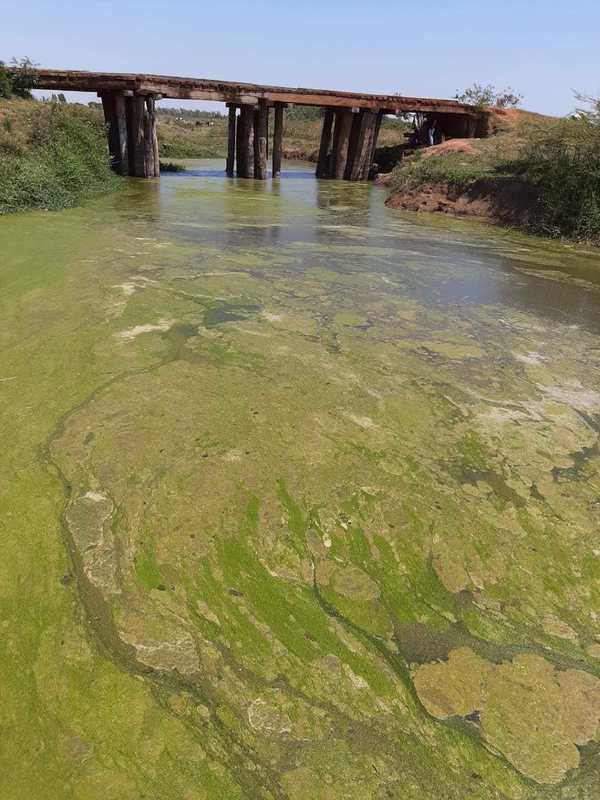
180, 88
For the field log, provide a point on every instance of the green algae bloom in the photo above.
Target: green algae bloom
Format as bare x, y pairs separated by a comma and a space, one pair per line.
300, 499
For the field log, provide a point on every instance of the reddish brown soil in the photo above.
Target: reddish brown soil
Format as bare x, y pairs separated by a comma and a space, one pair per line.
508, 203
451, 147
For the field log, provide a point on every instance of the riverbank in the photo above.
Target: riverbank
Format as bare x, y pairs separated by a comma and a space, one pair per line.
182, 133
534, 173
52, 155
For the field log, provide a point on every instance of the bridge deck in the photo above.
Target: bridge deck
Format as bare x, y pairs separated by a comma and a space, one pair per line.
240, 93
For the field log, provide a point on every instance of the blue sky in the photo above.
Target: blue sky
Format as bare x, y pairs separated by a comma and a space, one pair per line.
545, 50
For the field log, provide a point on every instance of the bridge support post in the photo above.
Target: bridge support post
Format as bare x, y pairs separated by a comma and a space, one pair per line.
261, 132
341, 141
323, 163
136, 136
378, 122
244, 131
230, 165
113, 106
142, 142
277, 138
362, 146
151, 141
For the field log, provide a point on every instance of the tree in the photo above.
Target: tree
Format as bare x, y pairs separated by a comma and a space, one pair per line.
592, 113
5, 83
23, 76
482, 96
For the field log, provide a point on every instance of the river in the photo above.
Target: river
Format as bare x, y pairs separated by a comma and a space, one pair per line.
300, 498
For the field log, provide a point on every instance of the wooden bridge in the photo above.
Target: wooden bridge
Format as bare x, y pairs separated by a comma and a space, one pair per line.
350, 128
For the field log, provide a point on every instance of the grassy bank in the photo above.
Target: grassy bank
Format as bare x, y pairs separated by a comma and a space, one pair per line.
540, 174
187, 136
52, 155
184, 134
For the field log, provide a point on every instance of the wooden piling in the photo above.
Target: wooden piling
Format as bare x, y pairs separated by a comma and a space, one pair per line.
244, 131
376, 130
108, 107
135, 107
122, 165
150, 166
155, 146
114, 115
277, 139
364, 163
230, 165
354, 146
323, 168
341, 138
261, 127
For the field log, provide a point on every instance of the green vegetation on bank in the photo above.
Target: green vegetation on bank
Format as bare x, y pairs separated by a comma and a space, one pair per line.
189, 133
52, 155
19, 80
556, 164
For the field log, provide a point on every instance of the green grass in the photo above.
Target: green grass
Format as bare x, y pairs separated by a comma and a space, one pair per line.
185, 139
555, 162
51, 155
457, 172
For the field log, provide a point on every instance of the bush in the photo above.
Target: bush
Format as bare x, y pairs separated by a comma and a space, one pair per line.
485, 96
562, 161
5, 82
23, 77
51, 156
454, 171
20, 80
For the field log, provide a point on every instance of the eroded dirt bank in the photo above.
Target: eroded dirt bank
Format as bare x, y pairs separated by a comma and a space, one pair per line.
508, 203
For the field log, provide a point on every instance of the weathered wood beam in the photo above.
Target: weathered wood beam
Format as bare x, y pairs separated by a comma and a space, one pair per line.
341, 140
364, 166
277, 139
121, 124
136, 136
355, 144
151, 168
261, 129
241, 93
362, 163
323, 167
108, 107
244, 131
376, 130
230, 165
114, 115
135, 133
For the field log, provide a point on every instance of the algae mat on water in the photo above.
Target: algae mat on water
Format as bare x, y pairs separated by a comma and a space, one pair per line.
300, 499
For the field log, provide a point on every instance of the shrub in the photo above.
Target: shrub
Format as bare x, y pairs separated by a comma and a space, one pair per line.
454, 171
23, 77
5, 82
562, 161
51, 156
20, 80
485, 96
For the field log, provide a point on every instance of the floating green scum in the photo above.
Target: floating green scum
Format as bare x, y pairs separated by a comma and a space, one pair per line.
300, 498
